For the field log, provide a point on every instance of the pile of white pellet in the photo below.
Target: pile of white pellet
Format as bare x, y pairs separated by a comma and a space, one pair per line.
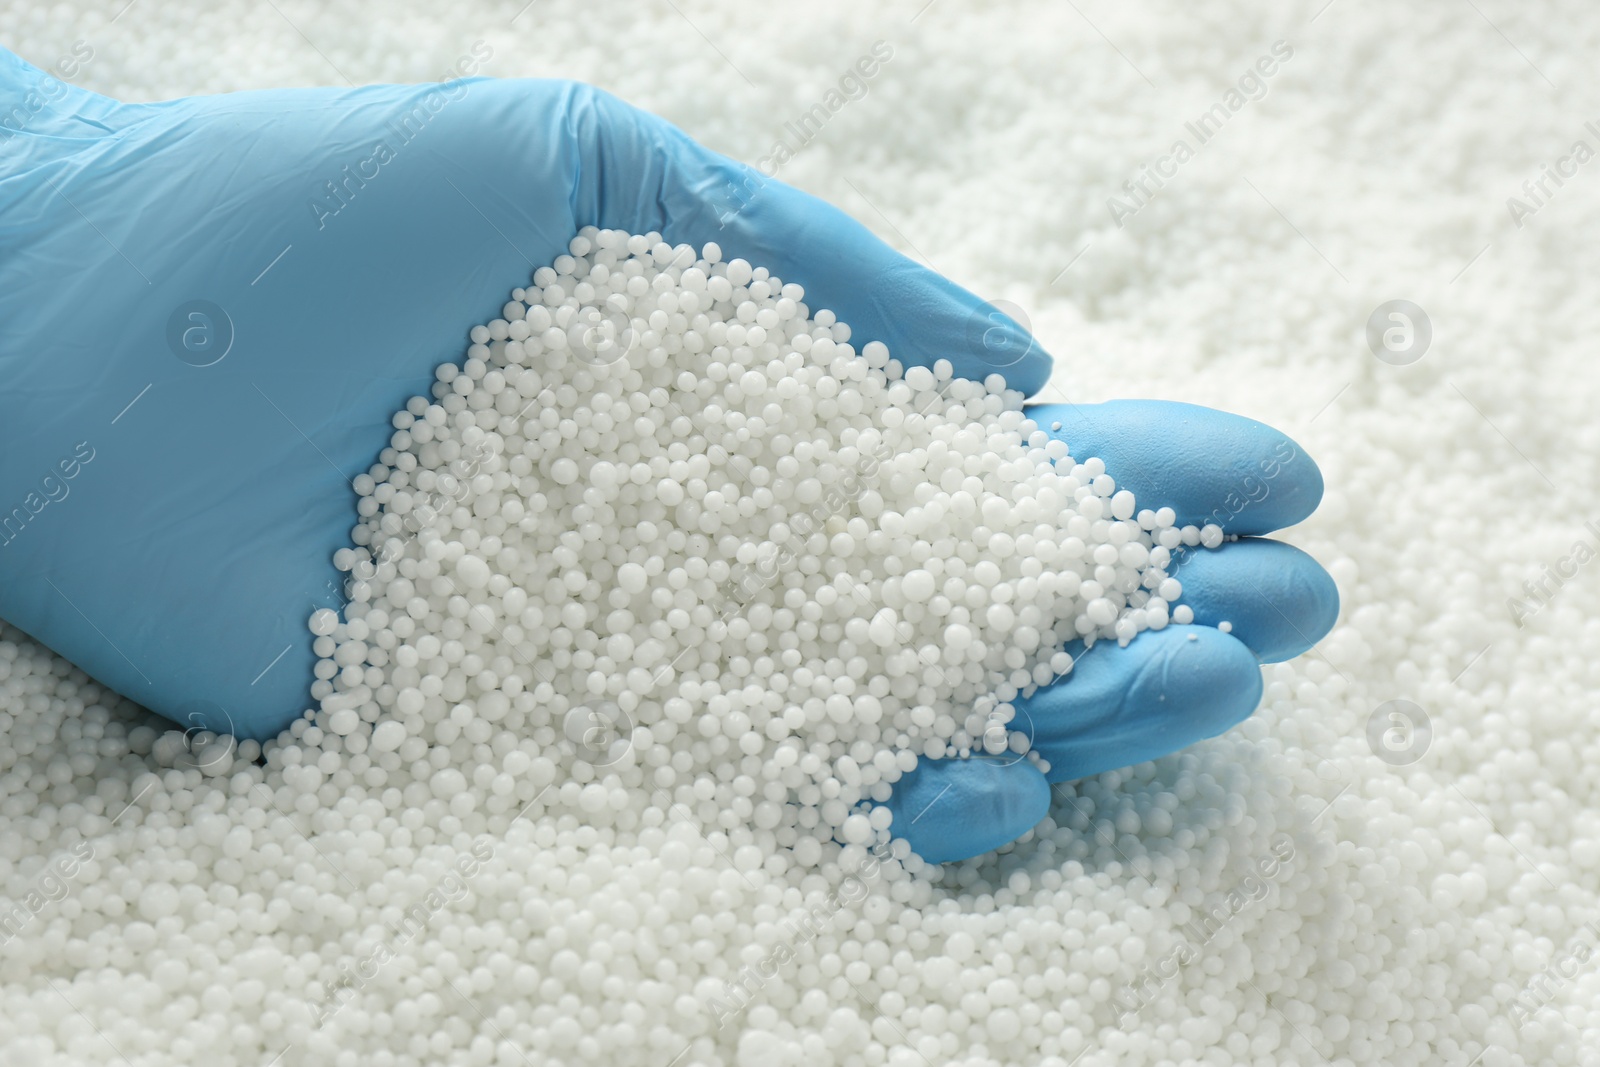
1435, 905
663, 516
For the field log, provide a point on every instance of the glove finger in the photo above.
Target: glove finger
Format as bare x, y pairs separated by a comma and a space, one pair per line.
639, 172
953, 809
1207, 465
1121, 705
1278, 600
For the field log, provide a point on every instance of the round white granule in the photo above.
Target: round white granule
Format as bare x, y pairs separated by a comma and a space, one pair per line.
387, 736
473, 571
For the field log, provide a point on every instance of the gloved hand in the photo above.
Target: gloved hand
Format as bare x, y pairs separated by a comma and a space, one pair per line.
174, 473
210, 307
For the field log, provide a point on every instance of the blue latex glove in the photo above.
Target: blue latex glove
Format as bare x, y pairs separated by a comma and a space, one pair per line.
210, 307
171, 523
1166, 688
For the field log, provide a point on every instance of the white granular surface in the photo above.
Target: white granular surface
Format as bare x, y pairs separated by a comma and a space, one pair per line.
1357, 910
